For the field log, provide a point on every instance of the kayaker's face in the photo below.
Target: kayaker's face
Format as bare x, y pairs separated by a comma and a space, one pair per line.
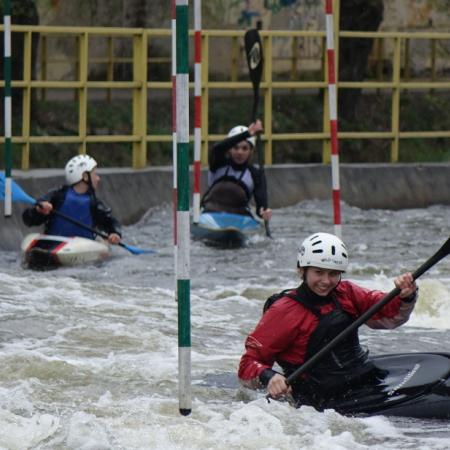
241, 152
322, 281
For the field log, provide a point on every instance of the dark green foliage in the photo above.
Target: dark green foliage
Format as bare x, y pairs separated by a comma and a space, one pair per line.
432, 115
51, 155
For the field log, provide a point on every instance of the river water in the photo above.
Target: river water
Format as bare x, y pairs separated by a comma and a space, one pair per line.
88, 356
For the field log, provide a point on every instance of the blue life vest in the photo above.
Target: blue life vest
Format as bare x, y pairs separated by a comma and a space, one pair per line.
77, 206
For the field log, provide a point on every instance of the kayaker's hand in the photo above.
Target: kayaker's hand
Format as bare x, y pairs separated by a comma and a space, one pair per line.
45, 208
255, 127
277, 386
406, 284
266, 214
113, 238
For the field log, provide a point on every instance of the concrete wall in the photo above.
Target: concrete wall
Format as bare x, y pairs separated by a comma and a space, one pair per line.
131, 193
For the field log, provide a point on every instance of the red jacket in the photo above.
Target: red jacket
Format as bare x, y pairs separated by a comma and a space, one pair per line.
285, 328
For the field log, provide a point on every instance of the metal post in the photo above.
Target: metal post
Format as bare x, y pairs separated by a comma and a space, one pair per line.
183, 229
174, 137
332, 98
8, 109
197, 107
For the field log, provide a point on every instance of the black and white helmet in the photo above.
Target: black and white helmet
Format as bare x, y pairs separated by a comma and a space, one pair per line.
323, 250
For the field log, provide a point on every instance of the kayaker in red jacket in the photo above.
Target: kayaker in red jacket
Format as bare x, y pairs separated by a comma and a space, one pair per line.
299, 322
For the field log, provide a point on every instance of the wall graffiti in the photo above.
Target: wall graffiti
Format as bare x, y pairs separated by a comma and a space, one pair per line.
399, 15
308, 14
291, 13
248, 14
277, 5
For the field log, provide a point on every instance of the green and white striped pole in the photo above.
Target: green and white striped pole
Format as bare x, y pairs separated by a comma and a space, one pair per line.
7, 96
183, 231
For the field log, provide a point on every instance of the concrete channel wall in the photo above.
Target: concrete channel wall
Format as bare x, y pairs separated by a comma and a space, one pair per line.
130, 193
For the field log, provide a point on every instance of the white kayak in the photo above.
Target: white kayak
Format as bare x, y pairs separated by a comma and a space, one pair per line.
42, 251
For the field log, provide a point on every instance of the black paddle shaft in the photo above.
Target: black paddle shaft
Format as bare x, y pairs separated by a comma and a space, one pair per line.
440, 254
255, 62
130, 248
86, 227
79, 224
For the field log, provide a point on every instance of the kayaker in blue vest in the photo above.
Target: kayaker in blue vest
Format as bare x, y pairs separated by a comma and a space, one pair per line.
76, 199
232, 179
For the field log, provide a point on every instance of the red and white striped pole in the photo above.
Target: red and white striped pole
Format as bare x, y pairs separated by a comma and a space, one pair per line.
197, 106
332, 94
174, 130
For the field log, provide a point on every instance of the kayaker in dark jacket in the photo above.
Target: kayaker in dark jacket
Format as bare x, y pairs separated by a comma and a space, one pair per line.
232, 179
76, 199
297, 323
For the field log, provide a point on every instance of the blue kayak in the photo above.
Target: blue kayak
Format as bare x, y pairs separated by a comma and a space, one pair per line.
225, 229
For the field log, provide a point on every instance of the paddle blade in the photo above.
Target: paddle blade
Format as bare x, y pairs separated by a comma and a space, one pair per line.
18, 194
253, 51
267, 228
137, 251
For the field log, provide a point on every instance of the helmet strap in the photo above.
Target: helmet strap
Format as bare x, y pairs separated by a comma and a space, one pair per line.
91, 187
302, 272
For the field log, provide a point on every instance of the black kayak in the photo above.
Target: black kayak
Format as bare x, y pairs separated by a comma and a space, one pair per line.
413, 385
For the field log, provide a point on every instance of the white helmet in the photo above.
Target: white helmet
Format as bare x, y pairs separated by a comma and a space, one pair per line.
240, 129
323, 250
76, 166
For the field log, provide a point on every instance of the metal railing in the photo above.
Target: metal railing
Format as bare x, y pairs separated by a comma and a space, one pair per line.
391, 48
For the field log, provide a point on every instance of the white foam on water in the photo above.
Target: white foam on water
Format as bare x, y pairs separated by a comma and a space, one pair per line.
20, 433
433, 305
89, 356
86, 432
155, 424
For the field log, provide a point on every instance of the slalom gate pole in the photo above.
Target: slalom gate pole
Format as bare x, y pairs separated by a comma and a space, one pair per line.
174, 136
8, 108
197, 107
332, 99
183, 229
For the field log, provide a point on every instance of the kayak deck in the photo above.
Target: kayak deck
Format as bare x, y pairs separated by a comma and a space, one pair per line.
225, 229
415, 385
